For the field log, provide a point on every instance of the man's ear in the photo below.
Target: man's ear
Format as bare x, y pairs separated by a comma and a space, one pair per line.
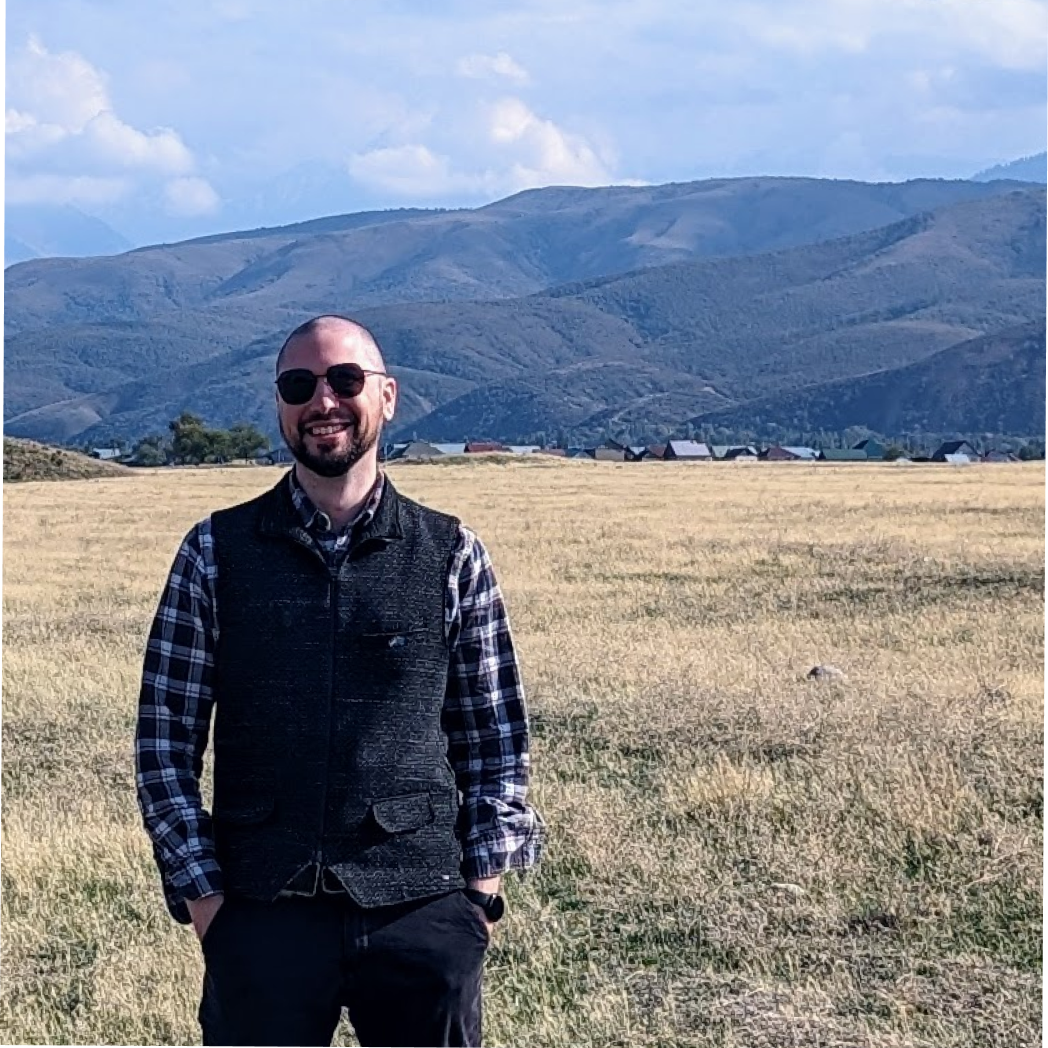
389, 398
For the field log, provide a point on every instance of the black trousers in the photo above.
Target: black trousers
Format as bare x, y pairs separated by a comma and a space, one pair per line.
280, 973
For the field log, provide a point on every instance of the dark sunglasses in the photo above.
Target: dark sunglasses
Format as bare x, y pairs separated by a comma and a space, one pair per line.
297, 385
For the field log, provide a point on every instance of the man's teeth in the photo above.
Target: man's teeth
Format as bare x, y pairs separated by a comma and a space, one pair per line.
327, 431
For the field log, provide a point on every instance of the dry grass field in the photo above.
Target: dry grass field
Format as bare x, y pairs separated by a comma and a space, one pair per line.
737, 856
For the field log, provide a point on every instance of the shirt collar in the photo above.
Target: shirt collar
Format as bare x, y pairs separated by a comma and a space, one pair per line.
312, 517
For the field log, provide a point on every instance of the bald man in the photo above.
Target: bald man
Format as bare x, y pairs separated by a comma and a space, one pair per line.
370, 735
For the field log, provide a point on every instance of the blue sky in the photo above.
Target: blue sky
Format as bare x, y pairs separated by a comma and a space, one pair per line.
173, 119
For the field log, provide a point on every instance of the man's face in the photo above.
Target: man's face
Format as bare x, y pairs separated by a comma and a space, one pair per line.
330, 434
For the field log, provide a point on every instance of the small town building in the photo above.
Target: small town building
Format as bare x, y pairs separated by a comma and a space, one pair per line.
842, 455
484, 447
687, 449
999, 456
875, 450
730, 452
276, 457
414, 451
791, 453
656, 452
955, 451
451, 449
105, 454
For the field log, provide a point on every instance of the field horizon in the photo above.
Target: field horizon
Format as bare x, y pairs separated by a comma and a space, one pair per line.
738, 855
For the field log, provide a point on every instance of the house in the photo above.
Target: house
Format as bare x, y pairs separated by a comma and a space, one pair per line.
687, 449
955, 451
842, 455
483, 447
656, 452
451, 449
636, 453
105, 454
729, 452
606, 453
999, 456
415, 451
779, 453
875, 450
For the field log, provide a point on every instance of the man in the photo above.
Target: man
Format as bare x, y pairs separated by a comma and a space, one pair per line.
370, 738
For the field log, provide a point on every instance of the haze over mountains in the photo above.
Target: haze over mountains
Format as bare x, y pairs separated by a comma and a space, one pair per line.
564, 311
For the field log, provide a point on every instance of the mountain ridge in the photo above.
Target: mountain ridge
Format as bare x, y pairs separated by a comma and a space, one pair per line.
105, 347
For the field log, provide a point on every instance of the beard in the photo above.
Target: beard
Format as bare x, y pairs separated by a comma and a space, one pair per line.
341, 456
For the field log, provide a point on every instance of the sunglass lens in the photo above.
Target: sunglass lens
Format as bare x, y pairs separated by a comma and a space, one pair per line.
296, 386
346, 380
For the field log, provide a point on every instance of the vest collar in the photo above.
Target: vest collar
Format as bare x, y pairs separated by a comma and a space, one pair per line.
280, 518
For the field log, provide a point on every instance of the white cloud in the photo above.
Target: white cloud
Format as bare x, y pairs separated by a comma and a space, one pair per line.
544, 153
123, 145
505, 148
412, 170
1009, 33
65, 142
189, 197
487, 67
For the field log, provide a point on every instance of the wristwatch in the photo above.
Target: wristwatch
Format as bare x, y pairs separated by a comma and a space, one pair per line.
494, 906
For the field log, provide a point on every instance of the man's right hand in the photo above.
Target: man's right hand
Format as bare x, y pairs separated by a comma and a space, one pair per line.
202, 912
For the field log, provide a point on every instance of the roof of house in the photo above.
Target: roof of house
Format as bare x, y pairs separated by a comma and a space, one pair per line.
800, 452
957, 460
657, 450
451, 449
843, 455
951, 447
416, 449
689, 449
730, 451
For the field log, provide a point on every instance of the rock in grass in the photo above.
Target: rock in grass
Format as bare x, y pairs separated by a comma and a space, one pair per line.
826, 672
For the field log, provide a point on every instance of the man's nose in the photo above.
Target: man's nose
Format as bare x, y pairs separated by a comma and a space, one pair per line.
324, 396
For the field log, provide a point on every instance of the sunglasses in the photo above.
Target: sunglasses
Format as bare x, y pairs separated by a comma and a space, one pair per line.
297, 385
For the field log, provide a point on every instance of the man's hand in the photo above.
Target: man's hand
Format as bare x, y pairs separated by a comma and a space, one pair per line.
202, 912
488, 885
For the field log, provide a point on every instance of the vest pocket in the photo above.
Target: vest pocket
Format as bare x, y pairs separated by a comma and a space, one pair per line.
403, 814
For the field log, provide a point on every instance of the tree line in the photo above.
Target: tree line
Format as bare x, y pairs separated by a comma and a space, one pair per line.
189, 441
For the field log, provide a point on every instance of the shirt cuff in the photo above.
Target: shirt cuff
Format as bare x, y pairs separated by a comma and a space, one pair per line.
193, 881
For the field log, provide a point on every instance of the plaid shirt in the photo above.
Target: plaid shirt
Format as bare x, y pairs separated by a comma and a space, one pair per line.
484, 715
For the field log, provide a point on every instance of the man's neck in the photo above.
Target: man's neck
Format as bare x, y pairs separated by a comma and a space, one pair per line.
341, 498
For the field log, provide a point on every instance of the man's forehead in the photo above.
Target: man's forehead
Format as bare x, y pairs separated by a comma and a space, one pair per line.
341, 343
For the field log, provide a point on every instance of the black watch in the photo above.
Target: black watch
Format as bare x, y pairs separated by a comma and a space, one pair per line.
494, 906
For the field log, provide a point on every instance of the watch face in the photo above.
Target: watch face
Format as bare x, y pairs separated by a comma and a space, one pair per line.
495, 908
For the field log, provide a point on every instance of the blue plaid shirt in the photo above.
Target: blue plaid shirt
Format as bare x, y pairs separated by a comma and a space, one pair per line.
484, 717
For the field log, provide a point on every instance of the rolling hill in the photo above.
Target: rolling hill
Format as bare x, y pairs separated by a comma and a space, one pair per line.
558, 310
28, 460
991, 384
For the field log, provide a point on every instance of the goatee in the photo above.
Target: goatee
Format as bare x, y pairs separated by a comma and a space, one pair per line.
334, 463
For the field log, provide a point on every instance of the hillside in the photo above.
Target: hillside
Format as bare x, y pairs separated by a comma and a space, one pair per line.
992, 384
28, 460
1025, 169
83, 326
659, 344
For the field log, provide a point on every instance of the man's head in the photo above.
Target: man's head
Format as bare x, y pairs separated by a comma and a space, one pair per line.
329, 433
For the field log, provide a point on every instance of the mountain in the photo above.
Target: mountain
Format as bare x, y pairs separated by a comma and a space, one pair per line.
1025, 169
991, 384
735, 294
52, 230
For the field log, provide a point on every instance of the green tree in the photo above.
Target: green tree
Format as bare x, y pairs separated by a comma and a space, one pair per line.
152, 450
190, 442
245, 441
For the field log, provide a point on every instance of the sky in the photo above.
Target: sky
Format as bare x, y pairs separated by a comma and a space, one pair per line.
170, 120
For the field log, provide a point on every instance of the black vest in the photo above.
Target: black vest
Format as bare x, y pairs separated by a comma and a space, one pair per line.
329, 687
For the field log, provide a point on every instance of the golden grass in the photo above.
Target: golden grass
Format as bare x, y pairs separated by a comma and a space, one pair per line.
738, 856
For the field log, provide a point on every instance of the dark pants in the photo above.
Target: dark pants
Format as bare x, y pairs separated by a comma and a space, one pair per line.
279, 973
